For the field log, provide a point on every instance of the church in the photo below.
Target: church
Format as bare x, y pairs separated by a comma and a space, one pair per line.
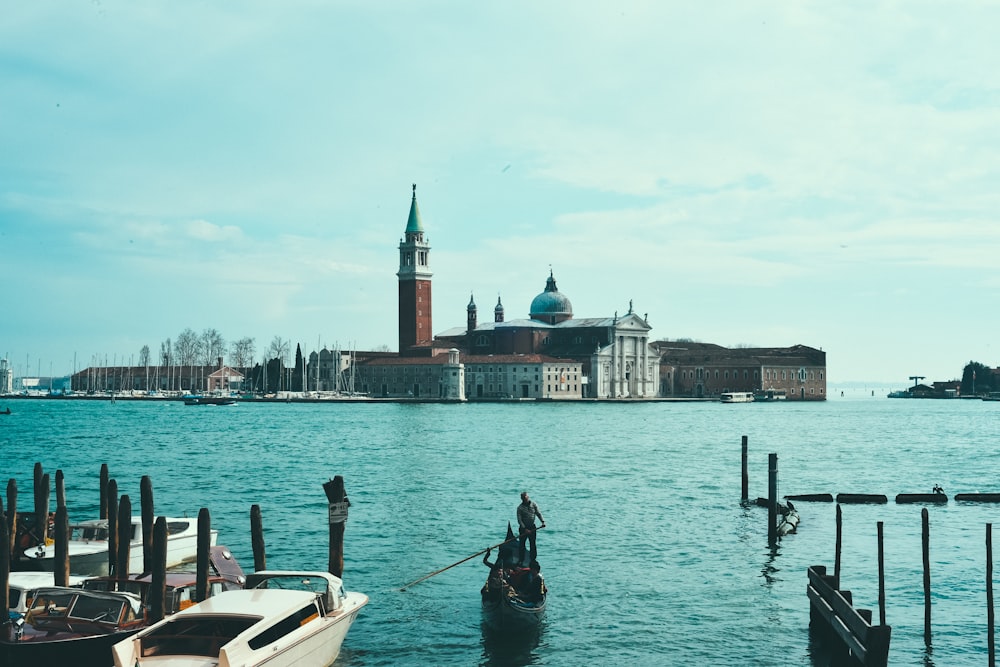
550, 355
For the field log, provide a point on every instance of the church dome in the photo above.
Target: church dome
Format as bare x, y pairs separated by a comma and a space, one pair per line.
551, 306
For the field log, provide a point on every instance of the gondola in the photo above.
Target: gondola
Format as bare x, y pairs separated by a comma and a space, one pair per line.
512, 596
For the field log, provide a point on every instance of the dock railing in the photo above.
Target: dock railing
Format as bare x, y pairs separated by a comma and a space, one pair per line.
831, 612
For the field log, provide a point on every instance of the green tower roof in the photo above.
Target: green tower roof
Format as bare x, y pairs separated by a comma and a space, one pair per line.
413, 224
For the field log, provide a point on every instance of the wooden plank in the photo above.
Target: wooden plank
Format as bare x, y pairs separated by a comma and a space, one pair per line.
869, 643
861, 498
921, 498
979, 497
812, 497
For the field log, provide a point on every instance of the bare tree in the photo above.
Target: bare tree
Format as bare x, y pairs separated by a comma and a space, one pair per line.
242, 352
144, 356
213, 346
166, 352
186, 347
279, 349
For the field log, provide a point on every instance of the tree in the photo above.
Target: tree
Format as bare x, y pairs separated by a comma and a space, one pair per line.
977, 379
144, 356
166, 353
212, 345
279, 349
242, 352
186, 347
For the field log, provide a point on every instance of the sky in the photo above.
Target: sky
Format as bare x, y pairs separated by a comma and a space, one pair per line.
746, 173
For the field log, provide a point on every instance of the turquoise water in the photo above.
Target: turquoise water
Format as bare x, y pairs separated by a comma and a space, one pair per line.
648, 554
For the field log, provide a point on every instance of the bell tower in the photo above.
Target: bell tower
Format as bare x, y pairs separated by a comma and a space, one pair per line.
414, 283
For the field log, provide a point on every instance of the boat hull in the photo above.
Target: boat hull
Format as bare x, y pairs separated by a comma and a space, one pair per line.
510, 611
90, 557
93, 651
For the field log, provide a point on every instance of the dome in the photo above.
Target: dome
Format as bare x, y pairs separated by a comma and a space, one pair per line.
551, 306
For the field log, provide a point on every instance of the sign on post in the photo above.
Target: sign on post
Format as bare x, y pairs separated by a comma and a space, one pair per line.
338, 512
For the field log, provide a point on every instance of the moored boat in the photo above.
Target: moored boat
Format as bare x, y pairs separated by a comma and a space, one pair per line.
209, 400
736, 397
282, 619
225, 574
88, 547
70, 626
514, 592
23, 585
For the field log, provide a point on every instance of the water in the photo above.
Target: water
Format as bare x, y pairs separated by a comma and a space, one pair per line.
649, 557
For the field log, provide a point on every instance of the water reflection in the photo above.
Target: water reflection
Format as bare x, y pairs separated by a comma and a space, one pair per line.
511, 645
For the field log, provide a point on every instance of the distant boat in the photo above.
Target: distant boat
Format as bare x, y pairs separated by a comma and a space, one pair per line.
901, 393
737, 397
209, 400
768, 395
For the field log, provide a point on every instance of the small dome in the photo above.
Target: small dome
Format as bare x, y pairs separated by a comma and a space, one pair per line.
551, 305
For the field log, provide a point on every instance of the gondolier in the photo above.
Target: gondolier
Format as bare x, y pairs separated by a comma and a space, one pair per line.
526, 513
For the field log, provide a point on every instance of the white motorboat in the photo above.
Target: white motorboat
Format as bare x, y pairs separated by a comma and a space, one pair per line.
88, 547
737, 397
23, 585
281, 619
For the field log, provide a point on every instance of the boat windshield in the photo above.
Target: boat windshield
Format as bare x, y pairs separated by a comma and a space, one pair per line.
89, 533
203, 636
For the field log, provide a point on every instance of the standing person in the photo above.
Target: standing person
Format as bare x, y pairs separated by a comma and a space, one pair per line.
526, 513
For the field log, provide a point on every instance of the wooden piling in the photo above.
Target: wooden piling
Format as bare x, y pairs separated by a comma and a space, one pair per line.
925, 540
257, 539
746, 474
104, 492
43, 493
990, 640
124, 537
36, 490
338, 504
146, 503
60, 489
60, 566
881, 576
12, 521
4, 567
158, 585
837, 546
112, 518
204, 546
772, 499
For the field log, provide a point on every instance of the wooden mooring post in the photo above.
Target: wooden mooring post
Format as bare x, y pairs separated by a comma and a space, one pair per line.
158, 591
112, 518
204, 546
13, 553
257, 539
60, 567
146, 509
772, 499
124, 537
338, 504
925, 540
990, 641
838, 545
746, 474
4, 567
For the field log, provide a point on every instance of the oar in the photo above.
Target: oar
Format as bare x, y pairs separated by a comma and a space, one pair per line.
428, 576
